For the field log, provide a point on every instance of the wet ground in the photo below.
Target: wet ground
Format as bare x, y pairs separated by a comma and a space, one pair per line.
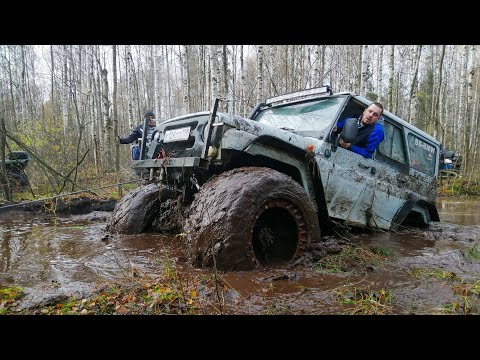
431, 271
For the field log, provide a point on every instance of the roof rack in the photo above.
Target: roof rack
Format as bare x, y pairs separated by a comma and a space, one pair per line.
300, 94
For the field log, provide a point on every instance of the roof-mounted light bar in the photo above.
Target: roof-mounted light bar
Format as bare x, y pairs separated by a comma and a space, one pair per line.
300, 94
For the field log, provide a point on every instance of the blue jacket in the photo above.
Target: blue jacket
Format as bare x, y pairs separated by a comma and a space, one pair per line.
136, 134
368, 139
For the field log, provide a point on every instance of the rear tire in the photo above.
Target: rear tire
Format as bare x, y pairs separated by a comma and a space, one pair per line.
250, 217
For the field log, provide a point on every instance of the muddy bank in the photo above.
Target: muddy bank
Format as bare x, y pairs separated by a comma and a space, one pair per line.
80, 205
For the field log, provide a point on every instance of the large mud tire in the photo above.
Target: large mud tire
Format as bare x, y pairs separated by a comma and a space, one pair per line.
247, 218
136, 211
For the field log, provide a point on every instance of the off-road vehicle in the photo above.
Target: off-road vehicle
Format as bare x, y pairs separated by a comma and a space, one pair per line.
258, 190
16, 162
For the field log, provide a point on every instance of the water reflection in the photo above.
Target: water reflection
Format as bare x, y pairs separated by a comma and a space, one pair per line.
461, 212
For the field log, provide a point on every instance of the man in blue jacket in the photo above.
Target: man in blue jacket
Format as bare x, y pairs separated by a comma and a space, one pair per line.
137, 135
370, 132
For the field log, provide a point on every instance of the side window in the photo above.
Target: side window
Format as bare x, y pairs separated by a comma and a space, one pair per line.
422, 155
392, 147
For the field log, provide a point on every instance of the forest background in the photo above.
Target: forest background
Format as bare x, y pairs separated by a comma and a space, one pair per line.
66, 104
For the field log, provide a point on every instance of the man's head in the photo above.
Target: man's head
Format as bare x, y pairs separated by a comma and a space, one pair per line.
372, 113
150, 115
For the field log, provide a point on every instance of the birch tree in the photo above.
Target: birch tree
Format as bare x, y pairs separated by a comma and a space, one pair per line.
391, 68
214, 70
115, 118
186, 80
413, 86
468, 110
436, 116
259, 73
364, 71
156, 65
107, 121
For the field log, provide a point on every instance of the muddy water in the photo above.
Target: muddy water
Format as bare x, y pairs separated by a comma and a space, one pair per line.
55, 257
462, 212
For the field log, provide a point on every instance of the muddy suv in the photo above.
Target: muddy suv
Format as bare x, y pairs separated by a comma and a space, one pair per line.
257, 191
15, 163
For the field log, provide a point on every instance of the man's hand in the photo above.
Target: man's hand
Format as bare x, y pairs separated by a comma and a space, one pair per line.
343, 144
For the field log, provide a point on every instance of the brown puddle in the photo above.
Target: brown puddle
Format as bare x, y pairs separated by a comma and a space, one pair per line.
69, 255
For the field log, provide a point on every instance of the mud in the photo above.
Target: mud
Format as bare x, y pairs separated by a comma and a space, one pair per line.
54, 258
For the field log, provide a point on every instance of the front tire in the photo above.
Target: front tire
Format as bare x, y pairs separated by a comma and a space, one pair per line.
250, 217
139, 209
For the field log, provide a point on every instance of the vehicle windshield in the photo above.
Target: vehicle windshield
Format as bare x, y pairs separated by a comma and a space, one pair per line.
303, 117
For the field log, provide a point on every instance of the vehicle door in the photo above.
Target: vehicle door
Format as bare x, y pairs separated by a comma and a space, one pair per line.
347, 178
392, 183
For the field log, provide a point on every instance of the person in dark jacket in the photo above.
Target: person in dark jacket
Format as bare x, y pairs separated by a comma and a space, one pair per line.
137, 135
370, 132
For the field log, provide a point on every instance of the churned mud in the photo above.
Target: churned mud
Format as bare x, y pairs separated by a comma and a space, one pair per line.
70, 264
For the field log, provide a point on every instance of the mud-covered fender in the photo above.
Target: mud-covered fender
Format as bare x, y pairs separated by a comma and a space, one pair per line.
278, 149
427, 210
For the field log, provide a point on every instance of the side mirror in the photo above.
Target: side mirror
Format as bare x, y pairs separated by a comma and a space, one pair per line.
350, 130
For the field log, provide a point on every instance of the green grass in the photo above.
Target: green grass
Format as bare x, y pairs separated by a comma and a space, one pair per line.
364, 300
382, 251
472, 254
447, 276
348, 259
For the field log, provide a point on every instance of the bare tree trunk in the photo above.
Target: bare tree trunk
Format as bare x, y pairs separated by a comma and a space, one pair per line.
379, 86
234, 79
319, 65
186, 80
437, 98
91, 110
52, 78
156, 65
259, 73
169, 86
209, 80
293, 79
108, 123
225, 77
115, 118
128, 85
214, 71
463, 96
364, 70
65, 92
14, 121
413, 95
468, 110
5, 184
392, 77
23, 84
99, 123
